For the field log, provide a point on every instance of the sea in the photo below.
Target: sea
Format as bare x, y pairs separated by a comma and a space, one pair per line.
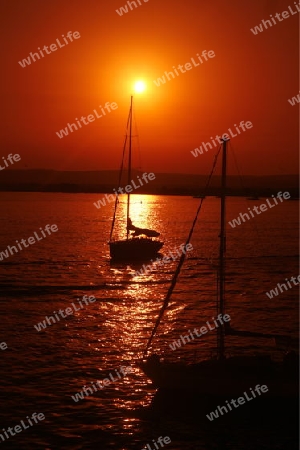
42, 371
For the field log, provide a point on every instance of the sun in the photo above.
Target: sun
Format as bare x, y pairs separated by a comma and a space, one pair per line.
139, 87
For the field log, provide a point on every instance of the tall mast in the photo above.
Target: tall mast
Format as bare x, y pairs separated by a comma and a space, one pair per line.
129, 164
221, 287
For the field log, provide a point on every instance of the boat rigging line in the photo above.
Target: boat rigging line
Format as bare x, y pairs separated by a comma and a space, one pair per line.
182, 258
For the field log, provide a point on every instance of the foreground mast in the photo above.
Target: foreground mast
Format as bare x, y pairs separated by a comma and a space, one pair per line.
221, 274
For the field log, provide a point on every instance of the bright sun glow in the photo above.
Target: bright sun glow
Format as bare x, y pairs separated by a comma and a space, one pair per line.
139, 87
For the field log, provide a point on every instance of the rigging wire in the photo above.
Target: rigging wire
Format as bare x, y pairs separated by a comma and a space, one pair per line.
120, 178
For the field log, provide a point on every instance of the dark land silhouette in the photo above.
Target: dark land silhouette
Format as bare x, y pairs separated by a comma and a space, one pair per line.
40, 180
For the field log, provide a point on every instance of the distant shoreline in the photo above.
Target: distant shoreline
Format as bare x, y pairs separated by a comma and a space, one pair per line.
96, 182
78, 190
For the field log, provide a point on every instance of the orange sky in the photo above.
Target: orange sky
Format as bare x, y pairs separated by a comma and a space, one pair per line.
251, 78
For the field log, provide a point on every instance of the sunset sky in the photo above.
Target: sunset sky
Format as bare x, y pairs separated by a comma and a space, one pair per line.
250, 78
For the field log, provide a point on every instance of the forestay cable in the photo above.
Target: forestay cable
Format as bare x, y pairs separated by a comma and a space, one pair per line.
181, 260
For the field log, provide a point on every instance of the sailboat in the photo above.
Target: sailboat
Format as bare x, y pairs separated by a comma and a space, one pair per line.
140, 243
221, 376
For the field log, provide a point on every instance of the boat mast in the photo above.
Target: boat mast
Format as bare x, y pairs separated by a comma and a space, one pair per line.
221, 287
129, 164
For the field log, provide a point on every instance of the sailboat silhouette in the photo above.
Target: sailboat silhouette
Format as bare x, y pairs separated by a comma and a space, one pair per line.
223, 375
139, 243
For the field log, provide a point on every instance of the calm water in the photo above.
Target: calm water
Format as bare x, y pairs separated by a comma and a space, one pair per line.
42, 370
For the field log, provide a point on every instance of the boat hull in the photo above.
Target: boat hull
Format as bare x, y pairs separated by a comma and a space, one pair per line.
228, 377
134, 249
